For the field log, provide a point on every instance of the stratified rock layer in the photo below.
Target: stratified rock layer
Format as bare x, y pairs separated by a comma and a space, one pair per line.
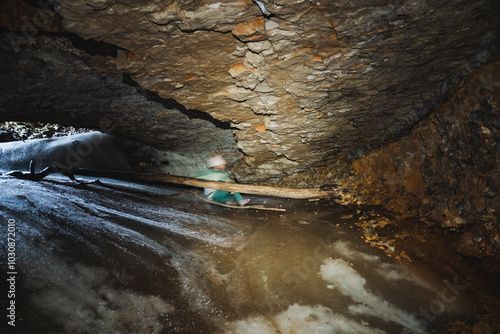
47, 79
303, 83
448, 168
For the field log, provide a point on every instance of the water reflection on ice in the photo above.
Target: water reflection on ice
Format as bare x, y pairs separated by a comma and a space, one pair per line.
301, 319
349, 282
92, 259
89, 299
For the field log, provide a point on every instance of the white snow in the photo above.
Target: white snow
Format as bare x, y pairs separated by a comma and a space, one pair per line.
300, 319
389, 271
349, 282
86, 299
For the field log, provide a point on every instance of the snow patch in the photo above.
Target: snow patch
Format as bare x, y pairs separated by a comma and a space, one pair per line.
86, 299
350, 283
300, 319
389, 271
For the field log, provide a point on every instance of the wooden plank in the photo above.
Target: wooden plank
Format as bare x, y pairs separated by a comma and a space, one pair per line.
294, 193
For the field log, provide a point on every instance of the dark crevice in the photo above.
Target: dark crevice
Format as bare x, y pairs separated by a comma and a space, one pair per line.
90, 46
93, 47
173, 104
43, 4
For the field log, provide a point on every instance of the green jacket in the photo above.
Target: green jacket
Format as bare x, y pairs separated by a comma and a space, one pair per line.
213, 175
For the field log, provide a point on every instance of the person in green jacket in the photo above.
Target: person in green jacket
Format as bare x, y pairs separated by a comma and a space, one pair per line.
217, 172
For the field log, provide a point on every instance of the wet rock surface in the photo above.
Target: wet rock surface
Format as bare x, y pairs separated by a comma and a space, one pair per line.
116, 256
425, 246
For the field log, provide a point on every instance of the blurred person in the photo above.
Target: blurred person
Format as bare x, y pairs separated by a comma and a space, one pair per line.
216, 171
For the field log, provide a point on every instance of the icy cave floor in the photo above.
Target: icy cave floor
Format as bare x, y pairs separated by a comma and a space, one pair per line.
123, 257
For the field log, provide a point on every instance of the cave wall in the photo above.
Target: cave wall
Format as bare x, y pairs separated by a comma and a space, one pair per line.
303, 83
445, 171
48, 75
295, 86
448, 167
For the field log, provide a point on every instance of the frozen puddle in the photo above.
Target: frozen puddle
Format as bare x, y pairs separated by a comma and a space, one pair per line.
350, 283
324, 293
98, 260
301, 319
338, 275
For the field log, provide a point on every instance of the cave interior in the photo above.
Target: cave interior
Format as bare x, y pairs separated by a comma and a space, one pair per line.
392, 103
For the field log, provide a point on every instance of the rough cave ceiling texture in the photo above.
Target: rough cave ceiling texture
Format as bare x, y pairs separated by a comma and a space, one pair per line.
301, 83
52, 81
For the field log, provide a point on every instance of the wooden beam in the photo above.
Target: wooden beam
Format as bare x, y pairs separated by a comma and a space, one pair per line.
295, 193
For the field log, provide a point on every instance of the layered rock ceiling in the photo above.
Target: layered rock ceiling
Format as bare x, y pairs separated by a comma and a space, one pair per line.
300, 83
292, 92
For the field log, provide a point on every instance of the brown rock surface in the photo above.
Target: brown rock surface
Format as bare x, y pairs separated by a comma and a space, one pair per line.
302, 83
49, 80
448, 168
445, 171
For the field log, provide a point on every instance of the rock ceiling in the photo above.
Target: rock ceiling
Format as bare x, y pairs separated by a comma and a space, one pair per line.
300, 83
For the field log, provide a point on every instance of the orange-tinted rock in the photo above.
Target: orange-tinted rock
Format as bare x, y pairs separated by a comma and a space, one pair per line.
252, 31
